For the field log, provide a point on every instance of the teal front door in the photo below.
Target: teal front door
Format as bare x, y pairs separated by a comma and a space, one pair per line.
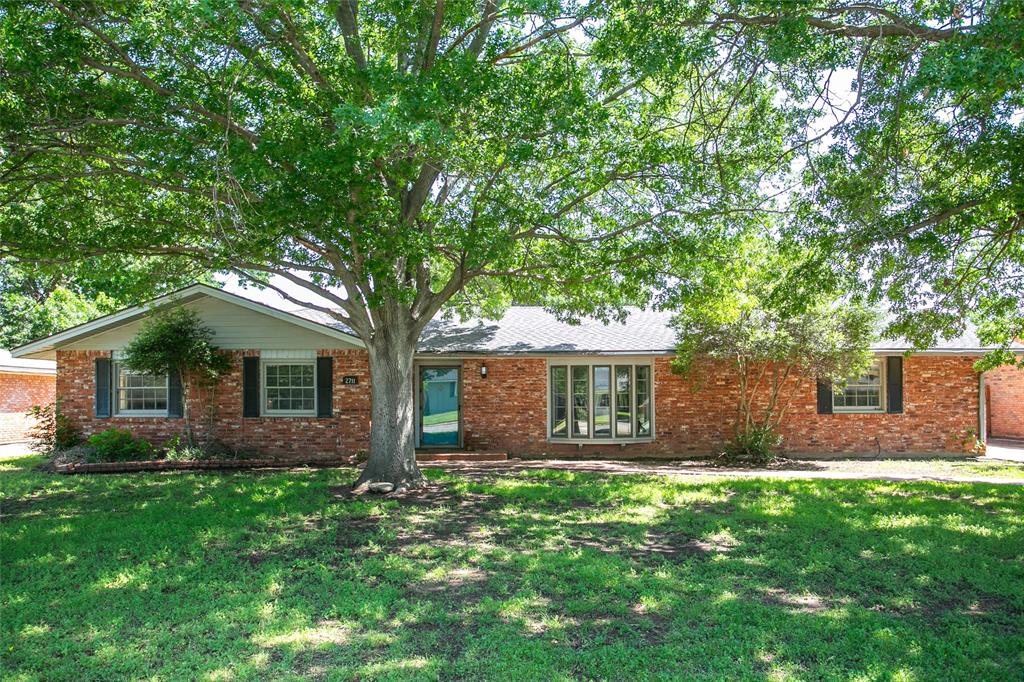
440, 404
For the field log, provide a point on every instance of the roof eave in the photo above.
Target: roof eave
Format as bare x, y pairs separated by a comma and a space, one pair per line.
18, 369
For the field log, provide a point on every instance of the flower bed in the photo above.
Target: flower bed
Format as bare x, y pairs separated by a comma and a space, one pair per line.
200, 465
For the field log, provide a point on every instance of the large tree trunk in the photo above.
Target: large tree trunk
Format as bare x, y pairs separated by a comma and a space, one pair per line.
392, 456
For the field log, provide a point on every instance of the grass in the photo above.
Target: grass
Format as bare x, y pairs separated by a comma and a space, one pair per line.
441, 418
538, 575
948, 467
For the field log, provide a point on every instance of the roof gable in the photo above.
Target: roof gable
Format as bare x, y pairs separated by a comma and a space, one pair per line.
112, 330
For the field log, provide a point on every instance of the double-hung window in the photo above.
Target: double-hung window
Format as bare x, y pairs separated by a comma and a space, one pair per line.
599, 401
138, 394
862, 393
289, 388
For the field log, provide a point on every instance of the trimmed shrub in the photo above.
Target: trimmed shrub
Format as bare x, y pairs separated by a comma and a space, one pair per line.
755, 446
119, 445
177, 449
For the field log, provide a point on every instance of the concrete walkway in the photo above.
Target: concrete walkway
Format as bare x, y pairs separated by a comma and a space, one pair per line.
9, 450
921, 470
1005, 450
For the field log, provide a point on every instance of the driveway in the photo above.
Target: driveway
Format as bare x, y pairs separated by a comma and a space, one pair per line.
1008, 450
9, 450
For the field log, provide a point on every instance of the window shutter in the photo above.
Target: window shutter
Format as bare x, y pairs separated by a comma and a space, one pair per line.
174, 407
894, 385
250, 387
103, 370
824, 397
324, 385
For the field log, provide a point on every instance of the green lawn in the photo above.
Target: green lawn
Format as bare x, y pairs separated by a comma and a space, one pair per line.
541, 575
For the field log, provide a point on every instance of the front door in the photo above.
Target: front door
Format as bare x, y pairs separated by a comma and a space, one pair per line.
440, 406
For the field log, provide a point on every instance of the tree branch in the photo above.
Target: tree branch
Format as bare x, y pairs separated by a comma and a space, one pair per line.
894, 29
347, 15
435, 37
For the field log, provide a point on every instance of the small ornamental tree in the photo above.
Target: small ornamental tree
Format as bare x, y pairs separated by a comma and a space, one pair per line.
777, 336
176, 342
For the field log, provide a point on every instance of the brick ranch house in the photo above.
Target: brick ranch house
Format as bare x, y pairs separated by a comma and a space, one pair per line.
23, 384
527, 384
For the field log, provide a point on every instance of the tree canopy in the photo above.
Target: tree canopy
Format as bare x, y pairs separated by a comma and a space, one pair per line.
754, 316
468, 153
38, 299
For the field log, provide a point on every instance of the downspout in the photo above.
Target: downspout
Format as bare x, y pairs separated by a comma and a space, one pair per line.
982, 417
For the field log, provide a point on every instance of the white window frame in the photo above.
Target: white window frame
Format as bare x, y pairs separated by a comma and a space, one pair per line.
610, 361
879, 362
116, 397
264, 363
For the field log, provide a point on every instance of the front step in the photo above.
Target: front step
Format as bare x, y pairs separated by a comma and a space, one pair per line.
456, 456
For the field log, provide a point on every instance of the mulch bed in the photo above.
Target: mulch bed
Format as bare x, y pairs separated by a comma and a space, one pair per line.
199, 465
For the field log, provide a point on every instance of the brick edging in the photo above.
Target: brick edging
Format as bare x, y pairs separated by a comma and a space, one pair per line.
202, 465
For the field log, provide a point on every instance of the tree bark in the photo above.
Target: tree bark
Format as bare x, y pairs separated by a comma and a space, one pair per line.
392, 457
186, 413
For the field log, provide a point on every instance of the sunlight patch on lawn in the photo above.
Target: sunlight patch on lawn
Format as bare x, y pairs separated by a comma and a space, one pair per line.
35, 630
220, 675
775, 505
325, 633
120, 580
725, 597
901, 521
394, 667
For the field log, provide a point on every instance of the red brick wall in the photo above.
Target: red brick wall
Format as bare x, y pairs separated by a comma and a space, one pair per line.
1005, 402
305, 438
19, 392
940, 414
507, 411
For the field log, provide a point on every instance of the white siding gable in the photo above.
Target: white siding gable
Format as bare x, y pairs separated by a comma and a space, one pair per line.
235, 327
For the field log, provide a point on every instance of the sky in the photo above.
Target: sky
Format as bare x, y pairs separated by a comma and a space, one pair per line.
270, 297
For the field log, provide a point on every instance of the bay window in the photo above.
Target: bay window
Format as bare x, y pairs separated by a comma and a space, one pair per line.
623, 402
599, 401
581, 402
559, 402
643, 400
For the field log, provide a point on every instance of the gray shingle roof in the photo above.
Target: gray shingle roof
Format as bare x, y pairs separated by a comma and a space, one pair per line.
531, 329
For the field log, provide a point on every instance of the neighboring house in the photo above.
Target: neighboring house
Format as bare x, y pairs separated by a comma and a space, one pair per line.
23, 384
1004, 387
528, 384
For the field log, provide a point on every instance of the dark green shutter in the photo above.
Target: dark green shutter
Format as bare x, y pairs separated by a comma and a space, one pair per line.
174, 407
103, 370
250, 387
894, 385
324, 385
824, 397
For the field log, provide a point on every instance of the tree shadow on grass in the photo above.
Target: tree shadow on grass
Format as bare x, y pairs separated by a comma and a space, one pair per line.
541, 575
